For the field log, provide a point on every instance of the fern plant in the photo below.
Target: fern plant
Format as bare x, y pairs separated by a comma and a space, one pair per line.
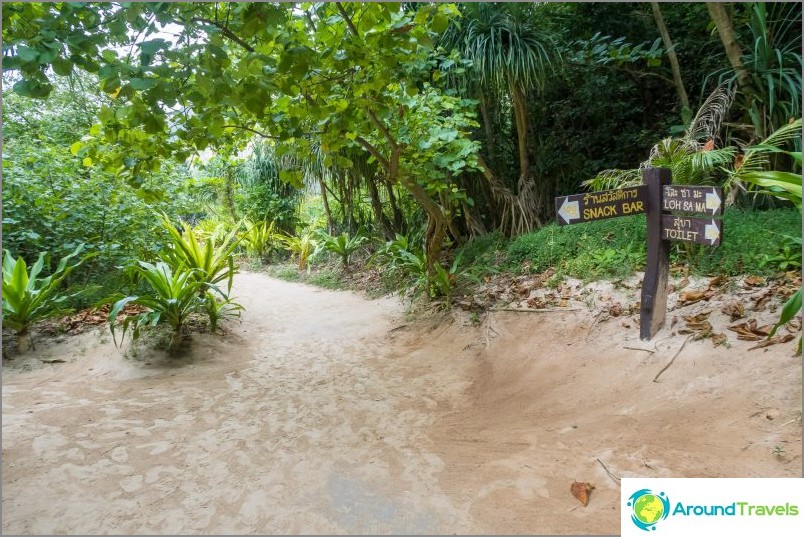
28, 298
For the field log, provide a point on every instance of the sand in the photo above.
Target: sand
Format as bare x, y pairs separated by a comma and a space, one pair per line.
324, 412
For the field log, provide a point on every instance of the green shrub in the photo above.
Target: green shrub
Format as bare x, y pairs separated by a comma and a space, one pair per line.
616, 247
27, 297
173, 296
343, 245
209, 264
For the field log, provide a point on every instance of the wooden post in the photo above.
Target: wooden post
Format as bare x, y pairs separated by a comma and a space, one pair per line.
654, 285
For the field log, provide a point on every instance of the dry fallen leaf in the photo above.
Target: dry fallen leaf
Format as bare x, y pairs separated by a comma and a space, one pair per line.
762, 300
682, 284
616, 310
719, 339
582, 491
690, 297
717, 281
773, 341
749, 331
753, 281
698, 325
735, 310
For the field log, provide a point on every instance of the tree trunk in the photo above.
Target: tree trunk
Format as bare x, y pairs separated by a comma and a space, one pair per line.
326, 205
376, 206
230, 194
399, 218
726, 31
488, 127
686, 111
521, 120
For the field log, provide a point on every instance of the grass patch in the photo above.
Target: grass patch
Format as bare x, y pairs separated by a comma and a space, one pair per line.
289, 273
610, 249
326, 278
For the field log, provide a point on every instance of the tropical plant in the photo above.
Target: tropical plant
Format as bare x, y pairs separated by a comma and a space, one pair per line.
300, 246
343, 245
788, 257
28, 298
511, 56
769, 70
218, 308
260, 238
753, 166
691, 158
785, 185
174, 296
209, 263
397, 258
448, 280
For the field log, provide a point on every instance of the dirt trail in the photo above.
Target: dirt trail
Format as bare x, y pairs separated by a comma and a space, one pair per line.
319, 414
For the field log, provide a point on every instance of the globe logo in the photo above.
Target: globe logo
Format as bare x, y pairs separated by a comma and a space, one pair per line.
648, 508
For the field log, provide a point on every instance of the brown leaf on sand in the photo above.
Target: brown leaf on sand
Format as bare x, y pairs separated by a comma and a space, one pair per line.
773, 341
762, 300
690, 297
616, 309
753, 281
719, 339
698, 325
683, 283
735, 310
582, 491
717, 281
749, 331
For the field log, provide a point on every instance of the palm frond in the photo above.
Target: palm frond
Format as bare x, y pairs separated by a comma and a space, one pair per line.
707, 122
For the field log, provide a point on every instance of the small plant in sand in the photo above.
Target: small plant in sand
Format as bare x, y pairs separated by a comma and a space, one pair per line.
27, 298
174, 296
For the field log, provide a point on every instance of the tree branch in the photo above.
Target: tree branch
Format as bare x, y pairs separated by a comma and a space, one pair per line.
381, 127
346, 18
225, 31
255, 131
373, 150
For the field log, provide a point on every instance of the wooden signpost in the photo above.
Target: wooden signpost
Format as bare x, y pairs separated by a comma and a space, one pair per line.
654, 198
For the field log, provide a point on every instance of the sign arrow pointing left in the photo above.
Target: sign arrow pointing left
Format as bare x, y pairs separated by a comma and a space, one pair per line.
569, 210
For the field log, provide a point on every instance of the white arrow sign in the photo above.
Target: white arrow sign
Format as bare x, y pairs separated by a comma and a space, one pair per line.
713, 201
569, 210
711, 231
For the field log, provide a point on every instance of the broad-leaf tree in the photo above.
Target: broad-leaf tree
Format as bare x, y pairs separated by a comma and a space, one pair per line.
188, 76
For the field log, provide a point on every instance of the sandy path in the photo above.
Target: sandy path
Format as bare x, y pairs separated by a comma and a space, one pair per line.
317, 415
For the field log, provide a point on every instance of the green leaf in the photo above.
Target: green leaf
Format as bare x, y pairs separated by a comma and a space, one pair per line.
33, 88
27, 54
62, 67
76, 147
789, 310
141, 84
440, 22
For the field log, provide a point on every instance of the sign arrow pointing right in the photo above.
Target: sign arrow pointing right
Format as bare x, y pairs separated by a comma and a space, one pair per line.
711, 231
713, 201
